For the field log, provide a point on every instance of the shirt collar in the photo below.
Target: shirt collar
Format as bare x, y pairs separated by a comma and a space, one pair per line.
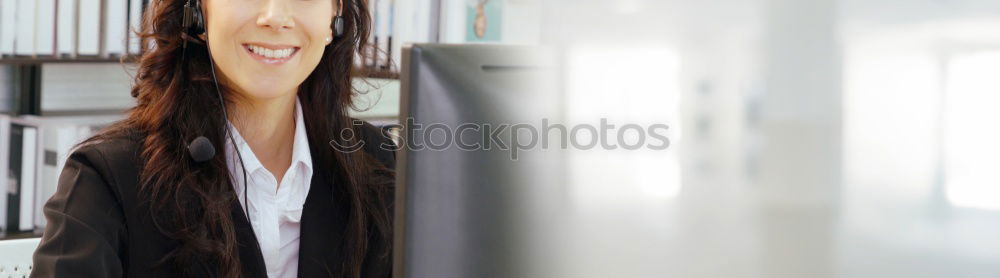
300, 149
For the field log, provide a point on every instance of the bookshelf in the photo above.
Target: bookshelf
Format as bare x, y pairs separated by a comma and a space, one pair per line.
50, 60
30, 61
38, 32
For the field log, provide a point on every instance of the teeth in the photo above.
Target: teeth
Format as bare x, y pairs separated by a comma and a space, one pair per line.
271, 53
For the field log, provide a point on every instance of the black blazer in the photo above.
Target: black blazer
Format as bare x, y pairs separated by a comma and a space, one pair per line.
98, 225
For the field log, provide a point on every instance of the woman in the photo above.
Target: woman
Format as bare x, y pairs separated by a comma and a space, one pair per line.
270, 80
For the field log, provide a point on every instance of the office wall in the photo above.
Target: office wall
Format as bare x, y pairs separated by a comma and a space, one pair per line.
811, 139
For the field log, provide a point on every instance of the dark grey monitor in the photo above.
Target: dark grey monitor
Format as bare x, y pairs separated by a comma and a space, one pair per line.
463, 210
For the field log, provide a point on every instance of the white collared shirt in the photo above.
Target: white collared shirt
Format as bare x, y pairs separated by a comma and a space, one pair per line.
275, 211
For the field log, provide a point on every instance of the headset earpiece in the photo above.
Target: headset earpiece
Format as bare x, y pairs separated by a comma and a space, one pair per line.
338, 21
338, 26
194, 22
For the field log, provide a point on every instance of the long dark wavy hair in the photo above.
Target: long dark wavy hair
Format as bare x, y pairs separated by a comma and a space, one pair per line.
177, 102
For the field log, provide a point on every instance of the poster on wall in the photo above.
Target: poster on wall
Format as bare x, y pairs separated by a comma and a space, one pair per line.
483, 20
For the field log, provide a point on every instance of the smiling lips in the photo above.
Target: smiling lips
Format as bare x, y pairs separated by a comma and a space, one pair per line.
271, 54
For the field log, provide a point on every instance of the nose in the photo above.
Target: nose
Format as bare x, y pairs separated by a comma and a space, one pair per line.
274, 14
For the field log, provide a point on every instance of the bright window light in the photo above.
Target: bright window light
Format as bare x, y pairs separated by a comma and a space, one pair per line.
625, 85
972, 136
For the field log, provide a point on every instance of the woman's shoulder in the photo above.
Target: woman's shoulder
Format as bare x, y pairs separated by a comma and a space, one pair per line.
120, 150
113, 155
119, 144
377, 142
125, 144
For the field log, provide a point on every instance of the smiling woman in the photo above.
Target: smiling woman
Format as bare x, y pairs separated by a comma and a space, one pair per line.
267, 48
269, 82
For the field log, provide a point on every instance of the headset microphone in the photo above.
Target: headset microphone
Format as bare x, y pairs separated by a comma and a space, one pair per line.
201, 149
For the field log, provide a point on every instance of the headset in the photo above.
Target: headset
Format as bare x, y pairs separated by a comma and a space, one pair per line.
201, 149
194, 21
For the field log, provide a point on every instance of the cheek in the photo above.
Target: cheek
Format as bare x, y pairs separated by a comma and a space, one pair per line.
227, 53
223, 33
316, 36
311, 58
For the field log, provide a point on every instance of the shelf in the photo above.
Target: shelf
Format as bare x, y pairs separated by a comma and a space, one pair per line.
28, 60
20, 235
383, 75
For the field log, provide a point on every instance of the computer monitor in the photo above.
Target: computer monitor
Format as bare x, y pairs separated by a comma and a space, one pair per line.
464, 210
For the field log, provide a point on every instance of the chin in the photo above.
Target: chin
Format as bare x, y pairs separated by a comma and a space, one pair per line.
268, 94
267, 91
265, 87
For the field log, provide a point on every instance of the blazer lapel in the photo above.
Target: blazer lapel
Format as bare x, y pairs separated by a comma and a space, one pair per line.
321, 230
249, 248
